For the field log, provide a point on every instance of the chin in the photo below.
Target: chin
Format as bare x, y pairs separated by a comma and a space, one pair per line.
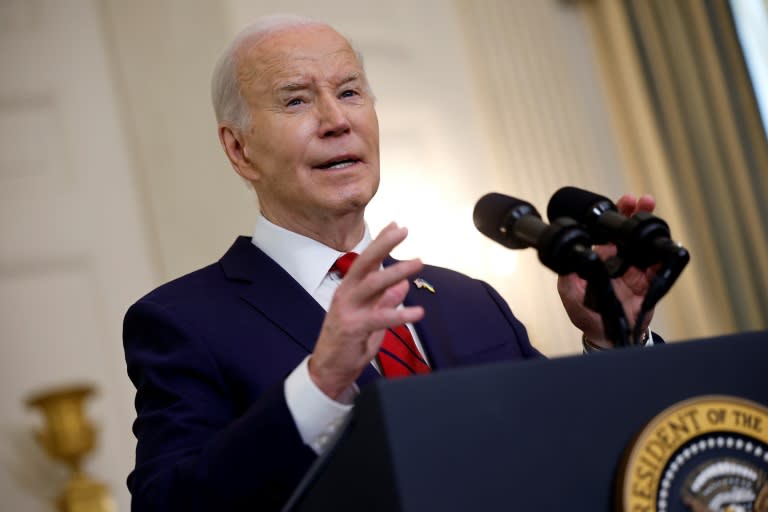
352, 203
357, 196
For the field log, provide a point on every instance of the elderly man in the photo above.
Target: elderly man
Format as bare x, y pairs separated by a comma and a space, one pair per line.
245, 368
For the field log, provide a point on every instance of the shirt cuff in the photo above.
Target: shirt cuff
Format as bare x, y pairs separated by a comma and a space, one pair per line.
317, 416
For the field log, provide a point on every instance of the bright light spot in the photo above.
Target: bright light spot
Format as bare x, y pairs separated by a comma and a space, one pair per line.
440, 228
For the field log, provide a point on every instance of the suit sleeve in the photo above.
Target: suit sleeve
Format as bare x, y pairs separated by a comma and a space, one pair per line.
195, 450
526, 348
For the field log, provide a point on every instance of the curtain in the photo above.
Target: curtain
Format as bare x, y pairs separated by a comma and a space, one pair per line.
538, 92
689, 124
683, 126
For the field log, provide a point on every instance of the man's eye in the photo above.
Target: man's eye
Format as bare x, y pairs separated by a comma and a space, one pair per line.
294, 102
348, 93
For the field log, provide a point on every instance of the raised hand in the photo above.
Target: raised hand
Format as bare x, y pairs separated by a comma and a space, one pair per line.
364, 306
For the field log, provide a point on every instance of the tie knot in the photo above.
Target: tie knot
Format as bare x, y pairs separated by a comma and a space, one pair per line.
344, 262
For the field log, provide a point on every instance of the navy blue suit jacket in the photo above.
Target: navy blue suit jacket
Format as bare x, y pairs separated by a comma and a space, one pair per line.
208, 354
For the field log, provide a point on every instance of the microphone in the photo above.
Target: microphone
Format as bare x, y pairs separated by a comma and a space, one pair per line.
563, 246
642, 240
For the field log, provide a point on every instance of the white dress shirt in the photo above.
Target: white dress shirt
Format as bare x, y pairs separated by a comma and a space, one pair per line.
316, 415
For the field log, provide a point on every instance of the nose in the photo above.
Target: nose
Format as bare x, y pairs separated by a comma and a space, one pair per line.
333, 120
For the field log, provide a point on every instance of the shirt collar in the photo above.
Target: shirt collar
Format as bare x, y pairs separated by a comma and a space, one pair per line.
306, 260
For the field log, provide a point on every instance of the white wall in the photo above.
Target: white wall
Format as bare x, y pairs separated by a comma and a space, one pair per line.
73, 250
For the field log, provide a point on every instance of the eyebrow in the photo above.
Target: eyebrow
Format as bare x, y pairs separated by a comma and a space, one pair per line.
292, 86
288, 87
350, 77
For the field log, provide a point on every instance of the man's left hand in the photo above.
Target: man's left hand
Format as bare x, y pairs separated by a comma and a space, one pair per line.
630, 288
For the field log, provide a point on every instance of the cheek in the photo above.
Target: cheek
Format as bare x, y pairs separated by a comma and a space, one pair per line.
292, 142
285, 139
372, 125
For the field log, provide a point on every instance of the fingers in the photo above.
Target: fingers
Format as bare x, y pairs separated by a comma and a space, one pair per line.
366, 302
387, 307
366, 280
383, 312
385, 318
646, 203
629, 205
371, 258
370, 286
369, 296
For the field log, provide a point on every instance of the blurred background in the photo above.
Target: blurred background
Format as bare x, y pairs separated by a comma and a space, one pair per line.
112, 180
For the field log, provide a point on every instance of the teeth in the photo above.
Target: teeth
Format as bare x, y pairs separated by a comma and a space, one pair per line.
341, 165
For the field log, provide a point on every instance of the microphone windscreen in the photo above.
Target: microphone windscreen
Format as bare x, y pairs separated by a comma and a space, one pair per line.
573, 202
491, 212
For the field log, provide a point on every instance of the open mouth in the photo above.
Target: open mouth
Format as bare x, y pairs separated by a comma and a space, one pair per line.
339, 163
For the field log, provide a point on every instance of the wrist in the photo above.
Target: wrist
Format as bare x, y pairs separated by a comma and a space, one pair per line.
331, 385
595, 343
591, 345
594, 346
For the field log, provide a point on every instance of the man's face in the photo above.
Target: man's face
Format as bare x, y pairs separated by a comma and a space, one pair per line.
312, 144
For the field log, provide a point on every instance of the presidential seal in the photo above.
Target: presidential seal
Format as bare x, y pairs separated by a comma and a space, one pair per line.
706, 454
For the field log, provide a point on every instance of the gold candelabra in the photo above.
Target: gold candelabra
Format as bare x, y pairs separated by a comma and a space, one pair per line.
68, 436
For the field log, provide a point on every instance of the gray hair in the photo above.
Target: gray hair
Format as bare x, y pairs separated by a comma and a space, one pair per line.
228, 103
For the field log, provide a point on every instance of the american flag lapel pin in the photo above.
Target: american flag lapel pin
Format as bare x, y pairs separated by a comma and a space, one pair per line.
423, 283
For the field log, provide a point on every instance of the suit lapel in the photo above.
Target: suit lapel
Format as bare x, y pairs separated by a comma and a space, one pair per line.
274, 293
434, 334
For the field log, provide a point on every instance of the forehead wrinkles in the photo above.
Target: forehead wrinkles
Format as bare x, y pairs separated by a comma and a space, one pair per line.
265, 71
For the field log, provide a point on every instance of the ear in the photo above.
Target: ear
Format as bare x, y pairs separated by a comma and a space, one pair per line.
233, 142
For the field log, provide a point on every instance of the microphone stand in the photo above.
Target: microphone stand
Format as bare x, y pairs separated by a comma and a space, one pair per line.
601, 298
677, 257
564, 248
